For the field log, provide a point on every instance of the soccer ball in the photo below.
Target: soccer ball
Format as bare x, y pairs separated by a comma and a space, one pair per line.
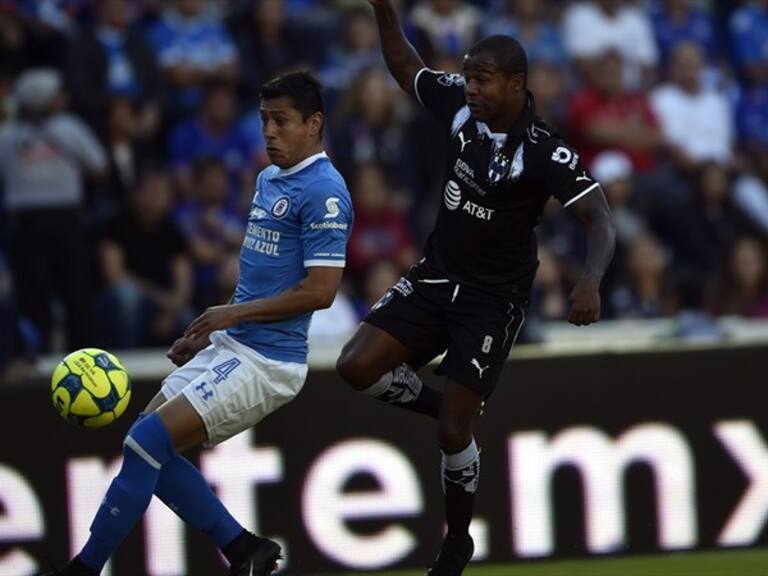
90, 388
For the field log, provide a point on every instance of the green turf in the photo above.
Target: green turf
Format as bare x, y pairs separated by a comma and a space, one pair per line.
728, 563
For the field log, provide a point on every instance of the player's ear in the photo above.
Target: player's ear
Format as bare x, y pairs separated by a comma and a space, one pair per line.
518, 82
315, 122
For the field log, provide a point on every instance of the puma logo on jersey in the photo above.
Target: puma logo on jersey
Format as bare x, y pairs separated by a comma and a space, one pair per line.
583, 177
463, 142
480, 369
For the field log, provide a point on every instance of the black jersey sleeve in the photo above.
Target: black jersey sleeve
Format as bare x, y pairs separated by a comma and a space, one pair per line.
566, 177
440, 93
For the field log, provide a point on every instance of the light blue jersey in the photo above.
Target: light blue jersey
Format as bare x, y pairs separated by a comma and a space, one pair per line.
300, 217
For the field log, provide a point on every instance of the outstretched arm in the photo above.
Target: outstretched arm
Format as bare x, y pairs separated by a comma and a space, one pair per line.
593, 212
401, 58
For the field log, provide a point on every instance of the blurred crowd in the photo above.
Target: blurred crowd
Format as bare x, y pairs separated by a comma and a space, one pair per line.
130, 139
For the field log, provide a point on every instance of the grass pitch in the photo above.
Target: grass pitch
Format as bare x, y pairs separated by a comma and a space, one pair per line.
726, 563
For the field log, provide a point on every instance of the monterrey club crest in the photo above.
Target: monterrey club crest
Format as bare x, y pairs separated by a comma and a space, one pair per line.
498, 168
281, 206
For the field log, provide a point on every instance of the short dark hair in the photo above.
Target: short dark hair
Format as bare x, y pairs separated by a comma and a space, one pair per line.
508, 54
304, 90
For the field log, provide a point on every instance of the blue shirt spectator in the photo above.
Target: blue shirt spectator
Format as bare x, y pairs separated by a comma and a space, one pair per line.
192, 49
676, 21
522, 19
213, 230
214, 134
749, 38
752, 116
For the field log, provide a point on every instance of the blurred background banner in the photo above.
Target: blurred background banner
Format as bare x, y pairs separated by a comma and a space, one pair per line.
587, 454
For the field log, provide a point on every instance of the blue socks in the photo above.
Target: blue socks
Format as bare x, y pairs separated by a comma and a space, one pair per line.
151, 465
146, 449
185, 491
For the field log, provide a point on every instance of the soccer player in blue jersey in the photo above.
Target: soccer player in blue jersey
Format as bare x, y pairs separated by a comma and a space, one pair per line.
243, 360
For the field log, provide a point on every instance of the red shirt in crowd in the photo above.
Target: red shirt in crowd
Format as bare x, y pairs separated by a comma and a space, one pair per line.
590, 106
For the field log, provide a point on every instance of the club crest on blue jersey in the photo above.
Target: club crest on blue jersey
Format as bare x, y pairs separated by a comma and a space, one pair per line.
281, 206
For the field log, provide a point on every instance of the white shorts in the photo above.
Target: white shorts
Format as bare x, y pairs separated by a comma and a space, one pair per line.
233, 387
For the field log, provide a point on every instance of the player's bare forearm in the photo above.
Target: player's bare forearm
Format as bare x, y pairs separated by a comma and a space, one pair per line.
593, 212
401, 58
317, 290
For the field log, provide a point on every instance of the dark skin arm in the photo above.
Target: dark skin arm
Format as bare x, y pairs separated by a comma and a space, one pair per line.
593, 213
402, 59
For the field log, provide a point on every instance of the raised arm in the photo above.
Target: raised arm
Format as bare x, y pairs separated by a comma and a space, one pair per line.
593, 212
402, 59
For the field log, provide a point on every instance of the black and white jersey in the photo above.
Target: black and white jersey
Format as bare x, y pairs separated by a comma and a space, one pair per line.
493, 196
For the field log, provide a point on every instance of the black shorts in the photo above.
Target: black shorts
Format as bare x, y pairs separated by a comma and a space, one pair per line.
431, 315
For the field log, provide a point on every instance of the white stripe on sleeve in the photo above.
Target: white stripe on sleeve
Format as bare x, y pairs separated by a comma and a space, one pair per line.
583, 193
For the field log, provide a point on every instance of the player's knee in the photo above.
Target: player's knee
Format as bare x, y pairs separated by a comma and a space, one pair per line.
353, 370
149, 440
453, 435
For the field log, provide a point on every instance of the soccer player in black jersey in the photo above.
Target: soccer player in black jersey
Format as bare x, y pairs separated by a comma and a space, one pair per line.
469, 295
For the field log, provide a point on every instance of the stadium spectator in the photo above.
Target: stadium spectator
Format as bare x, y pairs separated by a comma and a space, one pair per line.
45, 154
452, 25
742, 288
27, 43
193, 49
750, 192
592, 28
645, 290
752, 116
112, 60
614, 172
369, 127
146, 266
381, 231
676, 21
269, 42
357, 51
214, 231
749, 40
606, 115
547, 81
527, 21
697, 123
129, 152
214, 134
549, 299
716, 217
12, 349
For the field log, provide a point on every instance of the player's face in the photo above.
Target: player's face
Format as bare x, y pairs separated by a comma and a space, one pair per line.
489, 91
289, 138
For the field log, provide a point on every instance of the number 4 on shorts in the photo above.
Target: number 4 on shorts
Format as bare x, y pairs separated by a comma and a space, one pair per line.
224, 369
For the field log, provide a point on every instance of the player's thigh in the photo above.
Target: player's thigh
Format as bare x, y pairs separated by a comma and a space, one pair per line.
239, 387
405, 326
370, 353
481, 334
184, 424
177, 380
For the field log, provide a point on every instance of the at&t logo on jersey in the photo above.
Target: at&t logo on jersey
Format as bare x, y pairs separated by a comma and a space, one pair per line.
452, 195
452, 199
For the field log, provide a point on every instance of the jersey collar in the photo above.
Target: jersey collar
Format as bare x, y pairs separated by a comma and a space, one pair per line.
301, 165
